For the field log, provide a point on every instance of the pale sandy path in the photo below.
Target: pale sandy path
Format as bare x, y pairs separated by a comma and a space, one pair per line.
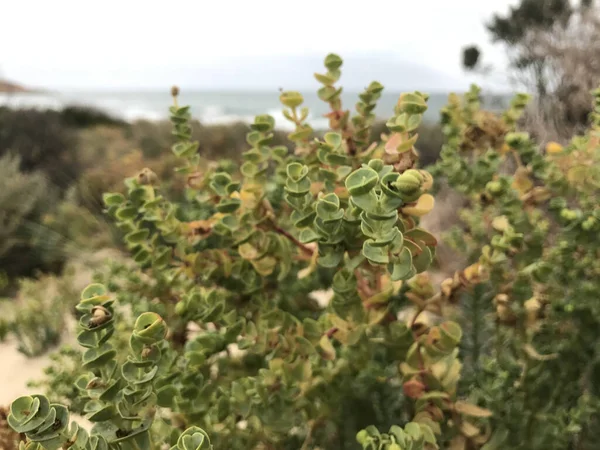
16, 370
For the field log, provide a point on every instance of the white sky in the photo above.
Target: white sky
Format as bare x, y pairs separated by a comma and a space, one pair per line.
147, 44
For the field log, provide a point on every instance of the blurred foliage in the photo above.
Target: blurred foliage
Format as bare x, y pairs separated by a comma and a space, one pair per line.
24, 198
42, 141
85, 117
542, 39
531, 323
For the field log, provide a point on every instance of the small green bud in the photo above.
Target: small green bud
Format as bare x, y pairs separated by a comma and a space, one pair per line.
516, 140
568, 214
180, 308
414, 173
409, 182
494, 187
589, 223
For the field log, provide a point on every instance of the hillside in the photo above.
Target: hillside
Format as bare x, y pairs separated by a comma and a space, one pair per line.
7, 86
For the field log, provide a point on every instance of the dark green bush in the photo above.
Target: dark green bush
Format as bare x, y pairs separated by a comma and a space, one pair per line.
43, 143
86, 116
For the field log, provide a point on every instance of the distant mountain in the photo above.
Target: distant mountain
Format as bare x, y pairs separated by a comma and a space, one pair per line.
7, 86
295, 72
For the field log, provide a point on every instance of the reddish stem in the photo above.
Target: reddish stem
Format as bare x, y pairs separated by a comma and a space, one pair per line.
291, 238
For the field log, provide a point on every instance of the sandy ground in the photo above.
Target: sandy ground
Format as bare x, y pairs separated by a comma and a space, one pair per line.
16, 370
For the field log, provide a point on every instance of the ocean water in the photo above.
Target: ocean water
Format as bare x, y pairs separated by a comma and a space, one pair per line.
211, 107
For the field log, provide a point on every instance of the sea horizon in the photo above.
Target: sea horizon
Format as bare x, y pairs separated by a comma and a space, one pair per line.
213, 106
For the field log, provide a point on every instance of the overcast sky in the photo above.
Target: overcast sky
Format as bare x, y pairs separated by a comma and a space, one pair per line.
127, 44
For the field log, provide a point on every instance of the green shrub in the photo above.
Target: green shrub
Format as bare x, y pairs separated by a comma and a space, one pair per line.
42, 141
530, 226
225, 337
85, 117
24, 198
37, 316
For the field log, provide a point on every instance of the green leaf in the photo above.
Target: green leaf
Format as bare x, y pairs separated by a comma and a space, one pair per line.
325, 79
333, 139
137, 237
333, 61
361, 181
423, 260
308, 235
263, 123
301, 133
291, 99
126, 212
451, 334
375, 254
165, 396
185, 149
413, 122
328, 93
402, 267
412, 103
113, 199
229, 205
296, 171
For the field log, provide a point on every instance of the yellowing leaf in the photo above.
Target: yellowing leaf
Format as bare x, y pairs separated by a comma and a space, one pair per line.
469, 430
377, 315
471, 410
392, 143
424, 205
521, 181
265, 266
327, 347
247, 251
472, 272
576, 174
540, 194
311, 267
458, 443
500, 223
504, 149
400, 143
338, 322
532, 305
553, 148
452, 376
533, 354
380, 297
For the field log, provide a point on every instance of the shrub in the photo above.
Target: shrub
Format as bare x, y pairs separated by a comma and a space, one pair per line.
531, 323
85, 117
42, 141
502, 355
23, 200
35, 332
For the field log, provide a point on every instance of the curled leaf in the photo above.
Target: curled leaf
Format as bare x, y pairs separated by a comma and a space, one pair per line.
471, 410
423, 206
